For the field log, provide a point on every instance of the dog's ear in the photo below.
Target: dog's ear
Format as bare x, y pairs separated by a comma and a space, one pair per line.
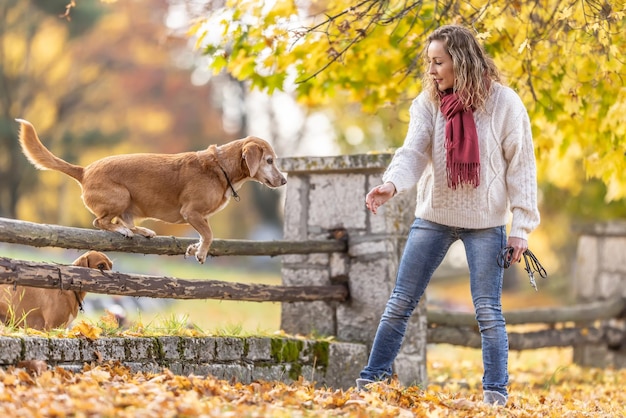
252, 154
82, 261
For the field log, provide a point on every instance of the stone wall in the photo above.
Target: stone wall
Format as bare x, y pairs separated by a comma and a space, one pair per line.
600, 276
325, 194
230, 358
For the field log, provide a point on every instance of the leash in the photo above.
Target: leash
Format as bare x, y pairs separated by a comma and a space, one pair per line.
532, 264
235, 195
80, 302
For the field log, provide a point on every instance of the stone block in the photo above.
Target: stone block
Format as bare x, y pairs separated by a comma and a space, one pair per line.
103, 349
369, 247
10, 350
259, 349
269, 372
180, 368
315, 353
411, 369
308, 317
344, 364
170, 348
371, 282
231, 372
64, 350
357, 324
338, 264
305, 276
228, 348
613, 256
337, 200
295, 212
36, 348
587, 268
142, 348
318, 259
609, 285
199, 350
291, 259
144, 367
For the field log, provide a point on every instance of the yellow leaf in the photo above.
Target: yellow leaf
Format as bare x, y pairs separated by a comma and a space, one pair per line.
88, 331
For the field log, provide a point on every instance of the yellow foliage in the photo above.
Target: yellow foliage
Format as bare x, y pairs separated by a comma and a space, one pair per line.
149, 120
564, 59
14, 48
43, 109
84, 329
48, 44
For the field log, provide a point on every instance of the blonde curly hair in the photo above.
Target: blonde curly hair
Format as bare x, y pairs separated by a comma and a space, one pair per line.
474, 70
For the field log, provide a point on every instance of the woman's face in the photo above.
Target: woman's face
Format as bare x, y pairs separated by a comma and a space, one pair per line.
440, 65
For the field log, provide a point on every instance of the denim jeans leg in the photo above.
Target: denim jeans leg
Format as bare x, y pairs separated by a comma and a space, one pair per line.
482, 247
426, 246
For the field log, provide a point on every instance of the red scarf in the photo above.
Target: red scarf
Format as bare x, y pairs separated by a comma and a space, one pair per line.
462, 152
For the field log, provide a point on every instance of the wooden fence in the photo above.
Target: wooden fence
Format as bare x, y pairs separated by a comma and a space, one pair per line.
33, 274
563, 326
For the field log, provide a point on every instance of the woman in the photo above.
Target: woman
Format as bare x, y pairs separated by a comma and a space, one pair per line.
469, 149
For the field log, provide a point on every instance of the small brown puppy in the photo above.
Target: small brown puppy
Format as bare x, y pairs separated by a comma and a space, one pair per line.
175, 188
45, 309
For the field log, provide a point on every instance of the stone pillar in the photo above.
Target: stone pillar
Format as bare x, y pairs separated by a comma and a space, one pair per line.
327, 193
600, 276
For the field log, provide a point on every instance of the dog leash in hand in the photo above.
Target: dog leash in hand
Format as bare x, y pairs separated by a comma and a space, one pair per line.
532, 264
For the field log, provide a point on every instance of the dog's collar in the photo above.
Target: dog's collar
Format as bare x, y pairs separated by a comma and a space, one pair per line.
235, 195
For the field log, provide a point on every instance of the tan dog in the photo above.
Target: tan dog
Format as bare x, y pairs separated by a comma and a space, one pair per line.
45, 309
175, 188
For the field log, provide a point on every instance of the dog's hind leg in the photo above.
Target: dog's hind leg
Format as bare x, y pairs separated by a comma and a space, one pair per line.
129, 222
200, 224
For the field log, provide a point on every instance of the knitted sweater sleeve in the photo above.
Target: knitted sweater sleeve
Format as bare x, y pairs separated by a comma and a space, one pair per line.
410, 160
521, 173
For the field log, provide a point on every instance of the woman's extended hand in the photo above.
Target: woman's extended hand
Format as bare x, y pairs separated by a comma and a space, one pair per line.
519, 245
379, 195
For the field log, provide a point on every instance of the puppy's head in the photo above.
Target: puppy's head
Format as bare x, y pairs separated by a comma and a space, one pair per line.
94, 260
260, 159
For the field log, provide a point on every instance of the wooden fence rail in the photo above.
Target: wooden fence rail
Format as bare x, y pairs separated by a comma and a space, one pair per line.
27, 273
41, 235
566, 326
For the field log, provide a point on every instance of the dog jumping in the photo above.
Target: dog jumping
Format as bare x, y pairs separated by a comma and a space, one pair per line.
177, 188
46, 309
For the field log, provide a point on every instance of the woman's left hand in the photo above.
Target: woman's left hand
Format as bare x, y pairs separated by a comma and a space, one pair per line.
519, 245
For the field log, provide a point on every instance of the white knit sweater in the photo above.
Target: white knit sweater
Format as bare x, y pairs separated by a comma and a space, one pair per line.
507, 167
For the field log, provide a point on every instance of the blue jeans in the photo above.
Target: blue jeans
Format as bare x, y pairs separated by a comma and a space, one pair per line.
426, 246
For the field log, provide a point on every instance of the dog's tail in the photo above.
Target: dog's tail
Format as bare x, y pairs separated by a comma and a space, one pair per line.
41, 157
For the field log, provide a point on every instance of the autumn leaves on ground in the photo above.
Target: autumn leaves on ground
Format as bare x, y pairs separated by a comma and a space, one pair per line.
544, 383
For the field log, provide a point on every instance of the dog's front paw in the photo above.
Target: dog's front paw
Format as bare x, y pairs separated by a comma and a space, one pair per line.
125, 231
191, 250
148, 233
197, 250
